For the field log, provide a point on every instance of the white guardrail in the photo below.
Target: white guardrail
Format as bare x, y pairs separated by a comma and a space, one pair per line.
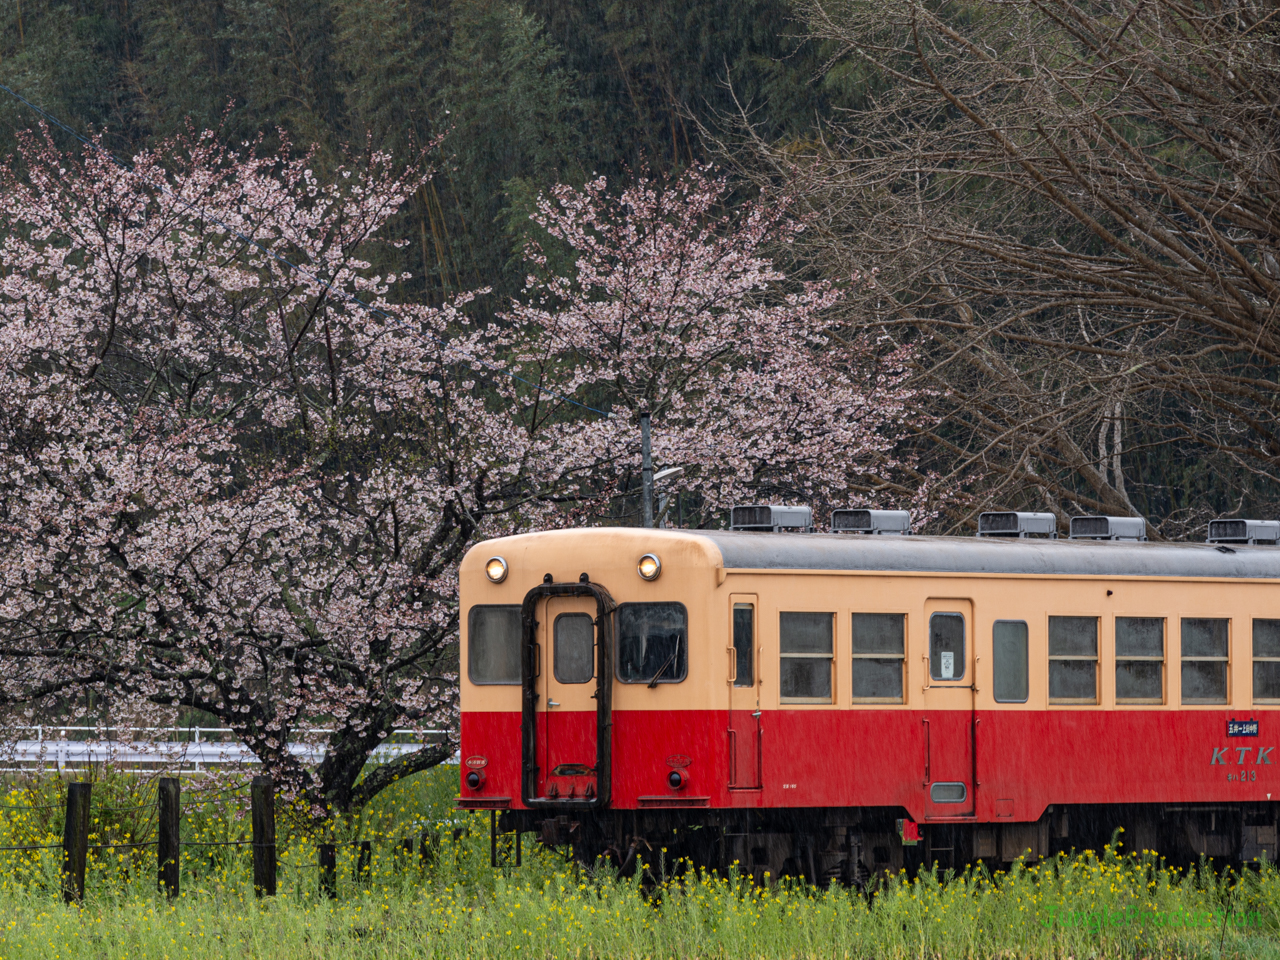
52, 749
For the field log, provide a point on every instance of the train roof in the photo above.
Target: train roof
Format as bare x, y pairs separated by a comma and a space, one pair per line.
740, 550
995, 555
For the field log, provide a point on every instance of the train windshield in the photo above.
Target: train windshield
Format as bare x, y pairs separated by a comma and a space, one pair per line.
493, 644
653, 643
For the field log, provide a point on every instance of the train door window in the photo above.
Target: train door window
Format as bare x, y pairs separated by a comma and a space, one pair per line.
1073, 659
743, 637
879, 649
1266, 661
1139, 659
493, 644
946, 646
1204, 660
1009, 672
653, 643
805, 643
575, 647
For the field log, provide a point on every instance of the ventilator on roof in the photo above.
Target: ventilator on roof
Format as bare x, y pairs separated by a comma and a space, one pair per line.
1108, 528
771, 518
1012, 523
1244, 531
871, 521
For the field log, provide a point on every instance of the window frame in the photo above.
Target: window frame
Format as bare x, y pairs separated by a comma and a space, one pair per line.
555, 647
964, 647
617, 645
1254, 659
1184, 659
902, 659
1096, 660
751, 645
471, 646
829, 657
1027, 646
1164, 656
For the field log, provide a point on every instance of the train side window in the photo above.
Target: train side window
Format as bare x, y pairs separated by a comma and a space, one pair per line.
1139, 659
1204, 660
653, 643
744, 633
805, 642
1073, 659
1009, 671
1266, 661
493, 644
946, 646
878, 654
574, 640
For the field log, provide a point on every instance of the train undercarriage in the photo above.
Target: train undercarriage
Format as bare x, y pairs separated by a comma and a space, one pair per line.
852, 845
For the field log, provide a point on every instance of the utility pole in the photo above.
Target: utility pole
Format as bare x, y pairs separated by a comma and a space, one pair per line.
646, 469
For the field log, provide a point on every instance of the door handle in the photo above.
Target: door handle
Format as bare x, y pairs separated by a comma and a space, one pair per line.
756, 714
552, 703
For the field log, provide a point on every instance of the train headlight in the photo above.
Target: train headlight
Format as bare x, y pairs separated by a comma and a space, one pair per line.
675, 779
475, 779
496, 569
649, 567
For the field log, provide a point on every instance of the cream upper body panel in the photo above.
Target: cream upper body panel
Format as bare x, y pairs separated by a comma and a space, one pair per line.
691, 572
999, 580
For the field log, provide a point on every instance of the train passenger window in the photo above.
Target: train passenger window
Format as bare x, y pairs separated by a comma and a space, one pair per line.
493, 644
1073, 659
574, 643
878, 653
1204, 660
744, 633
1009, 671
653, 643
946, 646
1140, 659
804, 675
1266, 661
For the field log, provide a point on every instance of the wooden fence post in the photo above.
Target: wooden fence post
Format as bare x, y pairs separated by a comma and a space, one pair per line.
262, 795
364, 865
426, 849
168, 818
329, 870
75, 841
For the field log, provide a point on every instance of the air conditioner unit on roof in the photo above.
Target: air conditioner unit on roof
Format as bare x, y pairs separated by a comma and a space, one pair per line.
871, 521
771, 518
1108, 528
1012, 523
1244, 531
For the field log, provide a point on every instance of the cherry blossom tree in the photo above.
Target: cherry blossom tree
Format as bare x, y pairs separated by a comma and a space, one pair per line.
226, 486
755, 384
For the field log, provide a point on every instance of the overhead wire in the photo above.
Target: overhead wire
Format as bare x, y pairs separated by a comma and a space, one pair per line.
325, 285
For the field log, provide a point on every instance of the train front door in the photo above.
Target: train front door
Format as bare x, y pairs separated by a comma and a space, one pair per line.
948, 717
566, 711
744, 694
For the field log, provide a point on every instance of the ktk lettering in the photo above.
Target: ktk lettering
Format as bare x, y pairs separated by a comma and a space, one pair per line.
1242, 753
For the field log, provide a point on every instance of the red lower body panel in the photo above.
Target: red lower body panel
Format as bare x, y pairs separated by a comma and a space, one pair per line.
889, 758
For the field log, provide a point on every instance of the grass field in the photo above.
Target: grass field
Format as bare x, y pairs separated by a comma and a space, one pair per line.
1107, 904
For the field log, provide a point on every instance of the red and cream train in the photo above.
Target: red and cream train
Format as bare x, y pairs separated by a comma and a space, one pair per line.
829, 705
